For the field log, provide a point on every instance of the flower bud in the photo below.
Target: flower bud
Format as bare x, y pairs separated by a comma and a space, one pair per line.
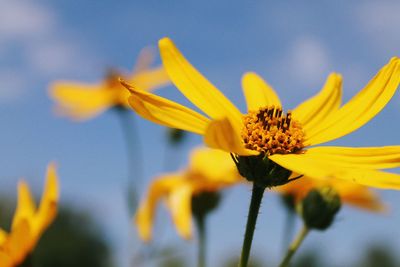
262, 171
175, 136
289, 201
204, 203
319, 208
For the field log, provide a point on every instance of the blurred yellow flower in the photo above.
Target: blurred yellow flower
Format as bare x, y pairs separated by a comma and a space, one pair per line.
84, 101
209, 170
350, 193
29, 222
267, 131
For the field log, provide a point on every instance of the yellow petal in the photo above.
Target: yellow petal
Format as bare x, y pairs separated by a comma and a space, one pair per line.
82, 101
194, 85
3, 236
322, 169
25, 206
298, 188
221, 134
19, 240
150, 79
213, 165
320, 107
5, 259
362, 107
360, 197
180, 205
165, 112
358, 157
258, 93
158, 189
48, 205
350, 193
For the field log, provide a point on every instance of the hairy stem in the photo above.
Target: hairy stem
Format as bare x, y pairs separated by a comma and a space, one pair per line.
255, 203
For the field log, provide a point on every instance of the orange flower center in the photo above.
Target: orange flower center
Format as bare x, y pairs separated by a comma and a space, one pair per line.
112, 79
269, 131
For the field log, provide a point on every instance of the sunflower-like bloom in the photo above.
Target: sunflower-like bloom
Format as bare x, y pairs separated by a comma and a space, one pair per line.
83, 101
350, 193
209, 170
267, 131
29, 222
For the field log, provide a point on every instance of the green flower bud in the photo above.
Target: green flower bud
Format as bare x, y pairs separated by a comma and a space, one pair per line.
175, 136
289, 201
204, 203
319, 208
262, 171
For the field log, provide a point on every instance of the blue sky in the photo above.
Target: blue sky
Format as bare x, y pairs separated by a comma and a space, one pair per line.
292, 45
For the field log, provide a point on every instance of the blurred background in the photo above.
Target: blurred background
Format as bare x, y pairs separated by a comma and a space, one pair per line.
294, 46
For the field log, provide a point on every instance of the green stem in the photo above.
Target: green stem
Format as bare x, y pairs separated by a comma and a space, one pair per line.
294, 246
202, 234
256, 198
134, 155
288, 228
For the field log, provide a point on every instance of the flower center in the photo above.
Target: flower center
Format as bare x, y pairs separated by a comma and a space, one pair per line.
269, 131
112, 79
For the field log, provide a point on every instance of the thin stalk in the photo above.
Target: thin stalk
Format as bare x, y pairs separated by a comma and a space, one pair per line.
255, 203
288, 231
294, 246
202, 235
134, 155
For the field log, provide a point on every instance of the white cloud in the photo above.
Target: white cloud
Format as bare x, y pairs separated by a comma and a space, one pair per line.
20, 19
307, 60
52, 57
33, 32
381, 20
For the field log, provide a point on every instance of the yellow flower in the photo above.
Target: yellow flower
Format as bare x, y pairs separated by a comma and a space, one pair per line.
29, 222
350, 193
267, 131
209, 170
83, 101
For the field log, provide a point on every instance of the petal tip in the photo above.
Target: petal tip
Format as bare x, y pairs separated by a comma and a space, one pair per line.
336, 75
250, 75
164, 42
125, 84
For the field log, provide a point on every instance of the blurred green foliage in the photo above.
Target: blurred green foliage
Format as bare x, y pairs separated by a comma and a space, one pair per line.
379, 256
72, 240
375, 255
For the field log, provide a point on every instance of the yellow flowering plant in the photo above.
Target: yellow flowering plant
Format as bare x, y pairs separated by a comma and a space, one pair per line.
29, 222
318, 200
350, 193
268, 144
190, 193
288, 139
209, 170
82, 101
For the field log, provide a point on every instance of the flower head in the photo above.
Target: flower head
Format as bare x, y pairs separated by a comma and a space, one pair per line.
83, 101
349, 193
209, 170
283, 138
29, 222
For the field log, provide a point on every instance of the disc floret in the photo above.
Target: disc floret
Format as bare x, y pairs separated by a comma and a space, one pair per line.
269, 131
